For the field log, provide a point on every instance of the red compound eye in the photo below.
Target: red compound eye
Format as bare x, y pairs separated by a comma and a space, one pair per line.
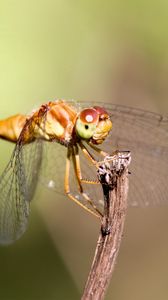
101, 111
89, 115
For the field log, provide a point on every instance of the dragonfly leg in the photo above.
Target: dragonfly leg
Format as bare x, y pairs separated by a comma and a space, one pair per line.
101, 152
92, 160
84, 180
67, 188
77, 168
104, 154
88, 154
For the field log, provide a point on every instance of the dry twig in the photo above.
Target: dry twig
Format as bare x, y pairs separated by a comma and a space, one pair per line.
113, 175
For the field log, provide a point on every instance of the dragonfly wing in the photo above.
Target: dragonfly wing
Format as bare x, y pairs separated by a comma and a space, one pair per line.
17, 186
145, 134
52, 171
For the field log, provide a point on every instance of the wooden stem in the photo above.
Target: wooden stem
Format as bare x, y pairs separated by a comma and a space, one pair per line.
114, 179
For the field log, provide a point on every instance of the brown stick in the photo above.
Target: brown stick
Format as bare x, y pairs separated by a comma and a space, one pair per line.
113, 176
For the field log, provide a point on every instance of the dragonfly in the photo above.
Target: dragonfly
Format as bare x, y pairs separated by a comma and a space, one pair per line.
61, 143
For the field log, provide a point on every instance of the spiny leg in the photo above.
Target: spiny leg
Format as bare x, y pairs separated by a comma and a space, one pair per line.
88, 154
67, 188
92, 160
109, 157
99, 151
77, 169
76, 164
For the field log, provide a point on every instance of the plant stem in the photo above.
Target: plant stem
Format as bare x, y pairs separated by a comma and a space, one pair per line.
114, 179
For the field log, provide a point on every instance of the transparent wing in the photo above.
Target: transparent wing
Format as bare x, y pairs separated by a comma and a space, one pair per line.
143, 133
17, 186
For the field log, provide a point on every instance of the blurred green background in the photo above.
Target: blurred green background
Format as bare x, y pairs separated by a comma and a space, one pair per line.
90, 50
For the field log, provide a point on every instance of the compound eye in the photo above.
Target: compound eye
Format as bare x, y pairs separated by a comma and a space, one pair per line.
102, 112
86, 123
89, 115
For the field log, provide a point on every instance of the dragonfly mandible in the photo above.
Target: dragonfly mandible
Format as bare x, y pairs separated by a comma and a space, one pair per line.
59, 143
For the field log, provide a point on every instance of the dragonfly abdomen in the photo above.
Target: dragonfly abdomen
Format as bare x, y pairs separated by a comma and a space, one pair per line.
11, 127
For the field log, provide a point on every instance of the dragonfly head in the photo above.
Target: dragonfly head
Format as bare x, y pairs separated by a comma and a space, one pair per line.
93, 124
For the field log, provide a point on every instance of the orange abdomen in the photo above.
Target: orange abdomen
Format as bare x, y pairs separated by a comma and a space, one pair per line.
11, 127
